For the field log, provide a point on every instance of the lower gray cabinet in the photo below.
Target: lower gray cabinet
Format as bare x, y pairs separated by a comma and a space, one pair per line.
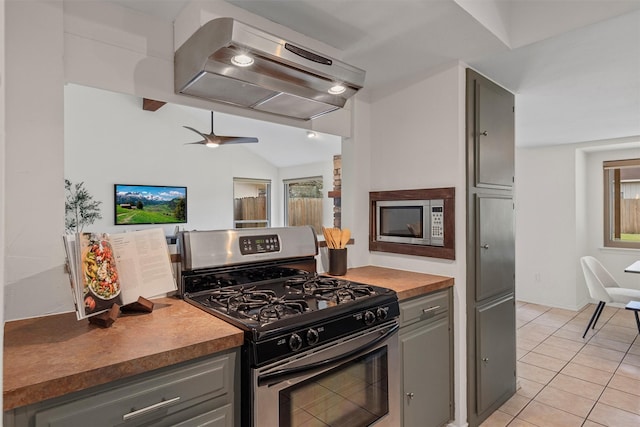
496, 350
426, 344
195, 393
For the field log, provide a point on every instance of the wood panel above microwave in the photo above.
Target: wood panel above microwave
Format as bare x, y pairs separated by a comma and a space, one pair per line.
447, 194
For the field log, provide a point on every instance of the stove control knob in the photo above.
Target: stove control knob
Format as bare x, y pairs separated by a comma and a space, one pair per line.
369, 317
312, 337
381, 313
295, 342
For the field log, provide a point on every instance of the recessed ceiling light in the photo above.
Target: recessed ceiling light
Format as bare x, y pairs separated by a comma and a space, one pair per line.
337, 89
242, 60
311, 134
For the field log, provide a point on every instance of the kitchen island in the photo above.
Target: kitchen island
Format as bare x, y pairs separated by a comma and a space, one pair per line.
53, 356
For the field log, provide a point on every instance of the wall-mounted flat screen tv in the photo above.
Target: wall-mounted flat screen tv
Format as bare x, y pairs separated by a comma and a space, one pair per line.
150, 204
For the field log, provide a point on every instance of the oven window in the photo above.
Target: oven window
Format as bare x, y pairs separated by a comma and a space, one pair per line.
401, 221
354, 394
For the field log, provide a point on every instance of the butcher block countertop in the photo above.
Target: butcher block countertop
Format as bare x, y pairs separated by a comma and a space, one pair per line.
50, 356
407, 284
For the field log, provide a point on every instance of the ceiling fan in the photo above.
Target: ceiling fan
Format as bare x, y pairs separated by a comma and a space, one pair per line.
212, 140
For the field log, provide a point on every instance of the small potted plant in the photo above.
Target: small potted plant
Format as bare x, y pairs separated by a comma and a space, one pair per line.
79, 207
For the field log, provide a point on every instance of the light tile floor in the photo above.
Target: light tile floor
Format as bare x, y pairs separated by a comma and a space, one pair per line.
568, 381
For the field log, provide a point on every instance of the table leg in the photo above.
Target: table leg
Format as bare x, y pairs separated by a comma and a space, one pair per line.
637, 320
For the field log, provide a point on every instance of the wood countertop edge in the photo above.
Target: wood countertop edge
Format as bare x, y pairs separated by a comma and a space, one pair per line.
426, 289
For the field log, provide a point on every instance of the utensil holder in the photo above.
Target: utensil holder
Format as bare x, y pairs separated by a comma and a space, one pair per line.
338, 262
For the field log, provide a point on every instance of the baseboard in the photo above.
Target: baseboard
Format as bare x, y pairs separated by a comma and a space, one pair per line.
553, 304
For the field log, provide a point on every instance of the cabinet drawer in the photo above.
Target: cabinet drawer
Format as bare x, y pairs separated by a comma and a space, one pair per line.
154, 397
221, 417
424, 307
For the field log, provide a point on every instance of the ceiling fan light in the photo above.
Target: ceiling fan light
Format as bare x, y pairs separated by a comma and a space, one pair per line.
211, 144
242, 60
337, 89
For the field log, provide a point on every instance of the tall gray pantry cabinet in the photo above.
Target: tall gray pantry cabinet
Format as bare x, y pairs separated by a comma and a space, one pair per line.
491, 327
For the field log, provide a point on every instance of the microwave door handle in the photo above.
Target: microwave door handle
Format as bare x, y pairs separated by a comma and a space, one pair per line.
282, 374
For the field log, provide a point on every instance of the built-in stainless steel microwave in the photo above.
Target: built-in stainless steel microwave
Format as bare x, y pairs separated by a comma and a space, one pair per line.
415, 222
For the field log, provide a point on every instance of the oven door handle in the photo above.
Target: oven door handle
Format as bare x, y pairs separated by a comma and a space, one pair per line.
282, 374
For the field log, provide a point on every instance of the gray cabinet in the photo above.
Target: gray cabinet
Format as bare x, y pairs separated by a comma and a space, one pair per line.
491, 350
495, 255
496, 361
194, 393
493, 134
426, 344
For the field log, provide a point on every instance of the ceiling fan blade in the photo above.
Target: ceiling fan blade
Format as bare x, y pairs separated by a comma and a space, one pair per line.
196, 131
214, 140
236, 139
198, 142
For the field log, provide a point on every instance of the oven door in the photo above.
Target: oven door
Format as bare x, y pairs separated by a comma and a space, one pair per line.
353, 382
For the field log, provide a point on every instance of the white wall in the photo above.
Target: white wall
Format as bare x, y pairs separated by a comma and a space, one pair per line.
35, 282
546, 249
356, 166
2, 178
559, 205
416, 140
110, 139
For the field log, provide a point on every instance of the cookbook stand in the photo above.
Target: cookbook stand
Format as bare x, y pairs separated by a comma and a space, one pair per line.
106, 319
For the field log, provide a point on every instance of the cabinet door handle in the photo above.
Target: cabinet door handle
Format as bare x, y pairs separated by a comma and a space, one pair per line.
485, 246
150, 408
410, 395
484, 133
430, 309
485, 359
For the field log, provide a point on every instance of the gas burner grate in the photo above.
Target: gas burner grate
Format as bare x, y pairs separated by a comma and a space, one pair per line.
262, 305
330, 288
281, 308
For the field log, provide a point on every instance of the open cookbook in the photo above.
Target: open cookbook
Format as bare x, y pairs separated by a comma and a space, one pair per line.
106, 269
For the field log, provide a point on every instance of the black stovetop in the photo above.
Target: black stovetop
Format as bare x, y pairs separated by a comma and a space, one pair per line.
265, 303
278, 316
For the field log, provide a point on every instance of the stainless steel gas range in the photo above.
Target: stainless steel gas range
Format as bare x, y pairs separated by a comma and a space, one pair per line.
318, 350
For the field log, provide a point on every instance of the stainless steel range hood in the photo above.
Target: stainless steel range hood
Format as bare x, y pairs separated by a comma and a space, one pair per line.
285, 78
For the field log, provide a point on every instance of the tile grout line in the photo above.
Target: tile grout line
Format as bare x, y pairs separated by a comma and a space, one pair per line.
608, 382
586, 418
534, 396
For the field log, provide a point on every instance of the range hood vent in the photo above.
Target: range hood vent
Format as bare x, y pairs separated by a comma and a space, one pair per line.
284, 78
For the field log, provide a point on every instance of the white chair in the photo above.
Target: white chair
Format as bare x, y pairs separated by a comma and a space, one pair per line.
604, 288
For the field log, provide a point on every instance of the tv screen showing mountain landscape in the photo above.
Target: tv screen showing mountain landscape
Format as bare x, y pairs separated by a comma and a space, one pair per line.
150, 204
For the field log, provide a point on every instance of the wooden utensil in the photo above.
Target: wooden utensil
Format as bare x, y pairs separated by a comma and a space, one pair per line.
344, 238
328, 237
335, 236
